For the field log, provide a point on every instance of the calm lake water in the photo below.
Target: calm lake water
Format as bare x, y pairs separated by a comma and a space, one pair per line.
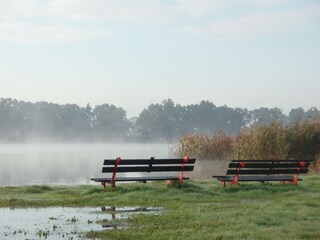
24, 164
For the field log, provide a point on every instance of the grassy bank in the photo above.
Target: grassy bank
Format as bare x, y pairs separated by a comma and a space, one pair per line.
200, 210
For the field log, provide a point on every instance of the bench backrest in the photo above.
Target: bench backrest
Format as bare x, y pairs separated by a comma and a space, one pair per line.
268, 167
148, 165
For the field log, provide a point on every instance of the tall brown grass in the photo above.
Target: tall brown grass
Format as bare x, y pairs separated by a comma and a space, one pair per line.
264, 142
205, 147
275, 141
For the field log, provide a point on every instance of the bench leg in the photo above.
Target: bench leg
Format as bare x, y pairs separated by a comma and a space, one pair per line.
103, 184
171, 183
235, 181
114, 185
294, 180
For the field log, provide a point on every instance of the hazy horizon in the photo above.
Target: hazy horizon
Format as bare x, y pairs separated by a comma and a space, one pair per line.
284, 111
246, 53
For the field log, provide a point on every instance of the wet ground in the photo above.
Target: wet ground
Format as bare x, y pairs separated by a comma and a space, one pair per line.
64, 223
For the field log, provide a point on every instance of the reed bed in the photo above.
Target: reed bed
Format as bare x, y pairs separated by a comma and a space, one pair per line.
275, 141
264, 142
204, 147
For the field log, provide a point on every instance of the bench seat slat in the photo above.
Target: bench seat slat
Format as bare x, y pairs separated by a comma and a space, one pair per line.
139, 179
267, 171
268, 165
147, 169
257, 178
148, 161
275, 161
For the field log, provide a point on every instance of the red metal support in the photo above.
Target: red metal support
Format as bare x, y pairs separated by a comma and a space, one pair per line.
185, 160
117, 162
236, 178
170, 182
295, 180
235, 181
302, 164
241, 165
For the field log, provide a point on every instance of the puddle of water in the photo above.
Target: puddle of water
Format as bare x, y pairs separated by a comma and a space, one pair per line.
64, 223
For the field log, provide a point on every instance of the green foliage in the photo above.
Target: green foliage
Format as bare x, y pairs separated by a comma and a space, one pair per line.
22, 121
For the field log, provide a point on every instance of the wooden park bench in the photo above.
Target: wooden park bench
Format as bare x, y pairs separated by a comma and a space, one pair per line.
264, 170
148, 169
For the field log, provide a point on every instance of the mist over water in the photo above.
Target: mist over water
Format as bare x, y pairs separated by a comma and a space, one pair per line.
24, 164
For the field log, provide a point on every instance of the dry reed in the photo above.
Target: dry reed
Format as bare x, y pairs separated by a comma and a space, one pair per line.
274, 141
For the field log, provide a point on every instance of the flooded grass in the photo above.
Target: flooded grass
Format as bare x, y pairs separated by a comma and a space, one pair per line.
65, 222
197, 210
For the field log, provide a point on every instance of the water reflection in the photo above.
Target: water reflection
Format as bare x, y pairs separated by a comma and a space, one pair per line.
64, 223
124, 212
22, 164
114, 211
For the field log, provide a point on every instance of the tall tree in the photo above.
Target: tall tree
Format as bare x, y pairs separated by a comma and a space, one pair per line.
110, 122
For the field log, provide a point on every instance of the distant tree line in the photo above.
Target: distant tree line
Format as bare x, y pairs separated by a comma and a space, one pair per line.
25, 121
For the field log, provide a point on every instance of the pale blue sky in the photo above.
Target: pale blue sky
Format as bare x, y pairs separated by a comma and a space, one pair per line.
130, 53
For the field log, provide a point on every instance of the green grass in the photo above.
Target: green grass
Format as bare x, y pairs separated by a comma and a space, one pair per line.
199, 210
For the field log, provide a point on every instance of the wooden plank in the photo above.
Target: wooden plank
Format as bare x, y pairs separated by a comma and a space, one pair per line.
268, 165
266, 171
147, 169
155, 178
148, 161
258, 178
139, 179
276, 161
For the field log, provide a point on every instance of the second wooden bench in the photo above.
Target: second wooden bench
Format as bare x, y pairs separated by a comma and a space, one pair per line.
264, 170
